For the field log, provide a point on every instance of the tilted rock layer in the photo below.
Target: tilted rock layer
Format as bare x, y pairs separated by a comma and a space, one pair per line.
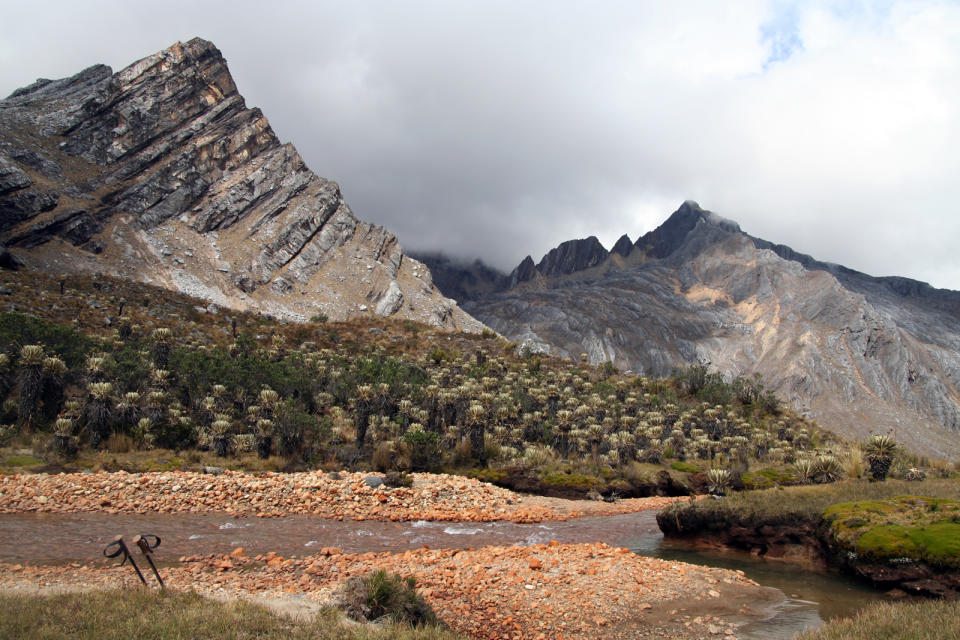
860, 354
162, 174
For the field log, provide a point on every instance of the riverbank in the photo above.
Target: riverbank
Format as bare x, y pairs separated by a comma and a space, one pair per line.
539, 591
351, 496
901, 536
572, 590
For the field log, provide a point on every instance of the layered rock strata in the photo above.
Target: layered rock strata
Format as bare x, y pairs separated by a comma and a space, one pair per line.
161, 173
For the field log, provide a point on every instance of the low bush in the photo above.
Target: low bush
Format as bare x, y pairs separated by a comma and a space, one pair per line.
380, 595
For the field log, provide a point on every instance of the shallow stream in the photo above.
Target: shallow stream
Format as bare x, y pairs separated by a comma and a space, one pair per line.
57, 538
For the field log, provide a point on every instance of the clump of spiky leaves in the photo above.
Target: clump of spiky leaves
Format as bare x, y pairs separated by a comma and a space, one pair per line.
99, 411
30, 379
63, 440
880, 451
718, 481
220, 432
827, 469
805, 469
915, 475
381, 595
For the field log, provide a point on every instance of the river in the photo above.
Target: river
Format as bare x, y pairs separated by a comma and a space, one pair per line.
60, 538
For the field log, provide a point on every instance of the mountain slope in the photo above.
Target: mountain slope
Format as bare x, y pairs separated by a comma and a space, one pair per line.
860, 354
161, 173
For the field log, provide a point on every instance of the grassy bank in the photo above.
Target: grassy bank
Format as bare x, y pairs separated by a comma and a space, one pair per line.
934, 620
920, 528
140, 613
793, 505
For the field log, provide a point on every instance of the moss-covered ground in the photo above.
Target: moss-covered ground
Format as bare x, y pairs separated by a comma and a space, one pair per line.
921, 528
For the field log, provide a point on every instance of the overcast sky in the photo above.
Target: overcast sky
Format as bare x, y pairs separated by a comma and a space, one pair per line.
498, 129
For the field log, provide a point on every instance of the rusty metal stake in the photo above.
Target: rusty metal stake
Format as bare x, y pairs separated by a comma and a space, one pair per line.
118, 547
147, 543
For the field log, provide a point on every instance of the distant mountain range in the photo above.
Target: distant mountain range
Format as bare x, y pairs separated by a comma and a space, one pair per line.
160, 173
860, 354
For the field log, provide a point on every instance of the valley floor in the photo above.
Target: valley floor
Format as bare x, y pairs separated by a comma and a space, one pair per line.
537, 591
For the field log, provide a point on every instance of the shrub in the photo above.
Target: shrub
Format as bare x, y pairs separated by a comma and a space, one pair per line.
424, 447
380, 594
396, 479
382, 458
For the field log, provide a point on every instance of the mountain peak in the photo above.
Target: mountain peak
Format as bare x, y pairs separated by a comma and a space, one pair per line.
160, 172
669, 236
573, 255
623, 246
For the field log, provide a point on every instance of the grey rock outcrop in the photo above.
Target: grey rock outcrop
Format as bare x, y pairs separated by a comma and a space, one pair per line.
391, 301
572, 255
623, 246
161, 173
860, 354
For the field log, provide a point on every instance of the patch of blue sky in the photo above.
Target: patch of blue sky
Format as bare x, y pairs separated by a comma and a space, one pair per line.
781, 34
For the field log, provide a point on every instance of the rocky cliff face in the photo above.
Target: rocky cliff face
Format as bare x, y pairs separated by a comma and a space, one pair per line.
860, 354
161, 173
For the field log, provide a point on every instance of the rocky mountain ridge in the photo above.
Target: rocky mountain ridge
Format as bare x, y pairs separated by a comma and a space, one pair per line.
161, 173
860, 354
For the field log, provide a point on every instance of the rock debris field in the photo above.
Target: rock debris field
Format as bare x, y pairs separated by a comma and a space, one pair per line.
541, 591
341, 496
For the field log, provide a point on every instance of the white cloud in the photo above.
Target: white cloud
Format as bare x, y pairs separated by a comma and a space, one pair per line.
500, 128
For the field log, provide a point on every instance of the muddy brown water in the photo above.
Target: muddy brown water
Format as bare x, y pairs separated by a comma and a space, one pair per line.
60, 538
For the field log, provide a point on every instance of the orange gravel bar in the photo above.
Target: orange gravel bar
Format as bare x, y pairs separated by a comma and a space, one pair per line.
435, 497
542, 591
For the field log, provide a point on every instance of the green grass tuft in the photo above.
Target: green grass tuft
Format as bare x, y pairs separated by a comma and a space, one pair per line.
932, 620
22, 461
170, 615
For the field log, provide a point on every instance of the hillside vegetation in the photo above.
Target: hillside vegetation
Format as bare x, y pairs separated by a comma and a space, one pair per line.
103, 364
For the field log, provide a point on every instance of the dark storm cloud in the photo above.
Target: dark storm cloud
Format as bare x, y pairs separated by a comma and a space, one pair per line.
501, 129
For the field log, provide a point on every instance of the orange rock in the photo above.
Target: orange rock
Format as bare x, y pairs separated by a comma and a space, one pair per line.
535, 563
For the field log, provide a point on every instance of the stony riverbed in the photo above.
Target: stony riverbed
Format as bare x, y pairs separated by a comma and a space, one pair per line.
549, 590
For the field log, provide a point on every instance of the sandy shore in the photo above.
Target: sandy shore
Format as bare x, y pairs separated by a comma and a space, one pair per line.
525, 592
